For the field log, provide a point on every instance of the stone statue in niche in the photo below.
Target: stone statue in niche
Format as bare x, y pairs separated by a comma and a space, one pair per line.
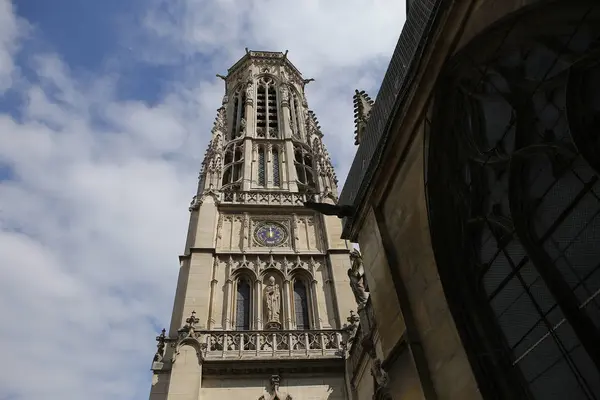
357, 278
249, 91
272, 304
285, 94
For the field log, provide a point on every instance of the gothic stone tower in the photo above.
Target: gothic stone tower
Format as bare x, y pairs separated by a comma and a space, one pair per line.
263, 288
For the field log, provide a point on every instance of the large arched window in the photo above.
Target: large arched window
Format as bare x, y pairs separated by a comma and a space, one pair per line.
301, 305
238, 123
303, 161
233, 162
267, 121
514, 203
243, 304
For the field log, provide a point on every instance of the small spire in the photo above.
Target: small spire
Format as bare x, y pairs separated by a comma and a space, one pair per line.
160, 347
362, 111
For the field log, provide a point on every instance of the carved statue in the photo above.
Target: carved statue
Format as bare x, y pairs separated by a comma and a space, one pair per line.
242, 126
249, 91
357, 280
381, 377
358, 287
285, 94
272, 300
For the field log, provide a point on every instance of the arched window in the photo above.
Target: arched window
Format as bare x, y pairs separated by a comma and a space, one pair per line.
303, 162
275, 162
261, 166
267, 122
233, 164
296, 115
243, 304
514, 204
301, 305
239, 114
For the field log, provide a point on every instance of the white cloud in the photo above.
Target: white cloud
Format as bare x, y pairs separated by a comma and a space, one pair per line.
95, 211
11, 30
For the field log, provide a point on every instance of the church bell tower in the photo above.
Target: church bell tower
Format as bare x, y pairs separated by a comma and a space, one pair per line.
263, 290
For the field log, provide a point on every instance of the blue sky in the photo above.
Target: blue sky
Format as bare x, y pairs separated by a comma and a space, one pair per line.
105, 112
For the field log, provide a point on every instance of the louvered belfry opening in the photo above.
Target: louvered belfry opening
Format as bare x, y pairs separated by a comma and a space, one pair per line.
233, 164
239, 114
266, 109
514, 201
275, 162
303, 162
261, 166
296, 116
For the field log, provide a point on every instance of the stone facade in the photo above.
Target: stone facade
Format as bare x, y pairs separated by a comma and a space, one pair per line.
493, 90
263, 291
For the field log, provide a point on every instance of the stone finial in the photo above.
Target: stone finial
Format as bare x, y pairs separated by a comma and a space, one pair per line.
192, 321
160, 346
353, 318
312, 124
362, 111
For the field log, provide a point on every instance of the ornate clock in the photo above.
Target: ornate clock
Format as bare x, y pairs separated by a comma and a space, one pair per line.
270, 234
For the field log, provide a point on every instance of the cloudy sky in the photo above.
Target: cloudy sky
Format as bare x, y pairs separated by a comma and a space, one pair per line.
105, 113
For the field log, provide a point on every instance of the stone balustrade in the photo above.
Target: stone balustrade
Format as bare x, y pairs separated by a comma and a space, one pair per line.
272, 344
266, 198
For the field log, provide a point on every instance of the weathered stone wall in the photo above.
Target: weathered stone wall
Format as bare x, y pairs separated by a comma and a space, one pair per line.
300, 387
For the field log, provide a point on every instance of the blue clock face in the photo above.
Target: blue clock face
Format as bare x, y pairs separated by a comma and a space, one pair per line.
270, 234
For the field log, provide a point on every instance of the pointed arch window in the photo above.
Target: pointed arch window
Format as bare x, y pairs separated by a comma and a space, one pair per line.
238, 124
303, 161
267, 120
275, 161
233, 164
261, 166
242, 305
301, 305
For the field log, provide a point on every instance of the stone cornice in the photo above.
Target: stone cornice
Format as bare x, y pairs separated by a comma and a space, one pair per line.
192, 250
276, 366
338, 251
264, 55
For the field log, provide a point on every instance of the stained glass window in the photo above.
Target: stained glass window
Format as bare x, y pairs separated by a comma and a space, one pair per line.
301, 305
276, 180
242, 309
261, 166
